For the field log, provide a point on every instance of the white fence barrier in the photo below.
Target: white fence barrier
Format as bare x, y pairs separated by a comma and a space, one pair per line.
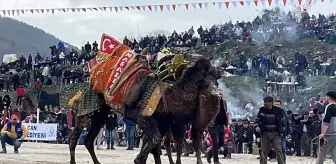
41, 132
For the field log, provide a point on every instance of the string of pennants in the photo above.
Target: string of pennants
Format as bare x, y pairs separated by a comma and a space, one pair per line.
156, 8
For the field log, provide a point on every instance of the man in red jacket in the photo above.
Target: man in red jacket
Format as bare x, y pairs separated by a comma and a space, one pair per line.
20, 92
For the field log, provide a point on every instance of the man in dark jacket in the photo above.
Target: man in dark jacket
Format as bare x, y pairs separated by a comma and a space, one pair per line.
111, 125
270, 128
286, 130
216, 130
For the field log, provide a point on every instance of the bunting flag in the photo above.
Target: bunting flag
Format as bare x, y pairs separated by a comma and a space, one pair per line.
155, 8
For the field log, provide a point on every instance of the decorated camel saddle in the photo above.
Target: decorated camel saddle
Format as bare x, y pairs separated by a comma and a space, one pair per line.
118, 73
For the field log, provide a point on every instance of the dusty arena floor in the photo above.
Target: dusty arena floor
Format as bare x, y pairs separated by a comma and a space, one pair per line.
41, 153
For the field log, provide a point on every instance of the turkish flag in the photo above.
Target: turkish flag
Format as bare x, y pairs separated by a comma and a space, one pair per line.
108, 44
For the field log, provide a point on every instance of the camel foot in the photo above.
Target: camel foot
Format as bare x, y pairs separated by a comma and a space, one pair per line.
72, 162
171, 162
137, 161
199, 162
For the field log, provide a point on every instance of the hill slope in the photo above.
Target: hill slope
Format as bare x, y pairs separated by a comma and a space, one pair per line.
22, 39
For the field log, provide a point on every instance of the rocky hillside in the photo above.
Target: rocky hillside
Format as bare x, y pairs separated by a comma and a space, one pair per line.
20, 38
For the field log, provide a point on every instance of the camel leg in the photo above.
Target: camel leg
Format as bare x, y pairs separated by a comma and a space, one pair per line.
196, 138
168, 148
178, 133
151, 138
74, 136
96, 124
156, 153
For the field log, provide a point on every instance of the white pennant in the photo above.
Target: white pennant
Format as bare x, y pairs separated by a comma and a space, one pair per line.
37, 10
168, 7
132, 7
121, 8
194, 5
17, 12
263, 2
206, 5
143, 8
111, 9
8, 12
220, 4
276, 2
155, 8
78, 9
248, 3
234, 3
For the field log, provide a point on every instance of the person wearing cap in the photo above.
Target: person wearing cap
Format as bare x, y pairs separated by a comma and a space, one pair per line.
13, 133
270, 120
328, 129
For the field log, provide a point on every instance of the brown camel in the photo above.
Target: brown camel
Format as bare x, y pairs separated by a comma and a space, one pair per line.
191, 98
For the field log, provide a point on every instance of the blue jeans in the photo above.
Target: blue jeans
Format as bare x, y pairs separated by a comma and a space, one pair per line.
110, 137
130, 130
283, 147
10, 141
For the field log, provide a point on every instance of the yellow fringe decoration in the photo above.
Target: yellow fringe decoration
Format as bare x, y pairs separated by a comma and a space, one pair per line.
75, 98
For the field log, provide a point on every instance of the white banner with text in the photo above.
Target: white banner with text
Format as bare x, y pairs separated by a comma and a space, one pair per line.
41, 132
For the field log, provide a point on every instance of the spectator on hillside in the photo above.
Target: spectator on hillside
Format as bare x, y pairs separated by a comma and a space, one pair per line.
38, 88
66, 76
8, 80
46, 74
30, 62
88, 48
95, 46
2, 82
20, 91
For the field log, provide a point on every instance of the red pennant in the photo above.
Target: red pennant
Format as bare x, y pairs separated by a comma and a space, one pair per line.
214, 3
284, 2
310, 1
161, 7
322, 0
270, 2
137, 7
256, 2
104, 8
22, 11
174, 7
200, 5
187, 6
126, 7
300, 2
13, 12
150, 7
4, 12
116, 9
84, 9
52, 11
42, 10
64, 10
227, 4
242, 3
95, 9
73, 9
32, 11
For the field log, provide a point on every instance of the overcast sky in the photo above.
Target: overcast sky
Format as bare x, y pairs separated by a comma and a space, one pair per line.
77, 28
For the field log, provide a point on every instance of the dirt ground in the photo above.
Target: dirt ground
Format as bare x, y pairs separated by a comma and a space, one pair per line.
42, 153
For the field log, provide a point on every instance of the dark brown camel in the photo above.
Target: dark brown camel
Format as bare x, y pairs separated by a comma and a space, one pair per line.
180, 104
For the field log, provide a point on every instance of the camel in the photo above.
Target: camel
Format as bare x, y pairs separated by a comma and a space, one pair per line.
190, 99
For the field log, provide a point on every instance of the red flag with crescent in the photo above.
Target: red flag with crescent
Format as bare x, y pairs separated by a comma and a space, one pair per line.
108, 44
107, 47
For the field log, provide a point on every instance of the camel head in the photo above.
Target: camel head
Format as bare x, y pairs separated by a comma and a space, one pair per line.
210, 83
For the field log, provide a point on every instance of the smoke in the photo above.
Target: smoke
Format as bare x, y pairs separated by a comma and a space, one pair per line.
236, 104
